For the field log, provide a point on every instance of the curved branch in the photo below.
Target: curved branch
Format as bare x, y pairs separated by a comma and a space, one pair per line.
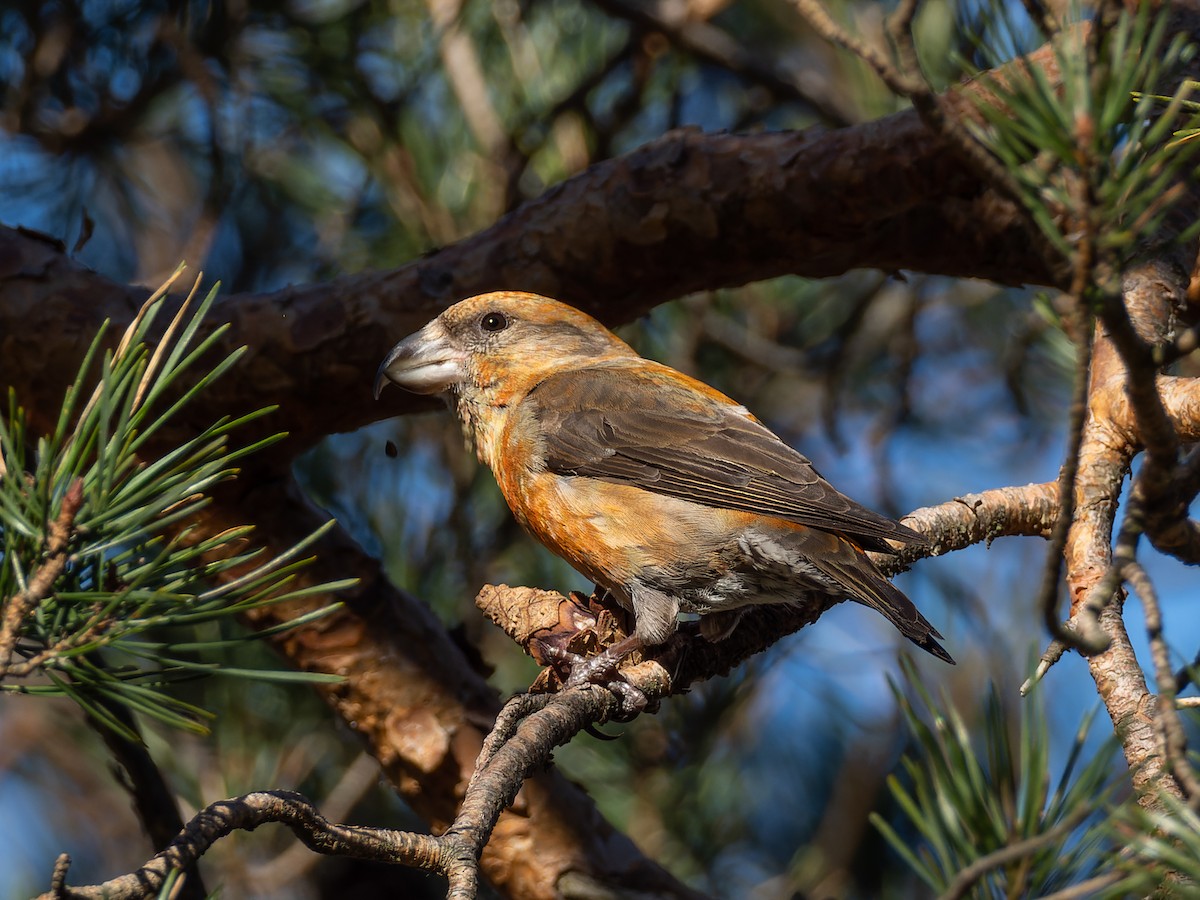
246, 813
689, 211
969, 876
413, 697
533, 728
708, 42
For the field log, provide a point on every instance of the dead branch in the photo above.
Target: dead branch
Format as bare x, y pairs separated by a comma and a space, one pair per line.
247, 813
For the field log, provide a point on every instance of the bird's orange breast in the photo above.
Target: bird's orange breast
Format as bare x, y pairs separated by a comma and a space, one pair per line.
609, 532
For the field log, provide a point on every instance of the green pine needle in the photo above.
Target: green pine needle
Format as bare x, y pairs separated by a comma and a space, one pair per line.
973, 788
117, 624
1098, 156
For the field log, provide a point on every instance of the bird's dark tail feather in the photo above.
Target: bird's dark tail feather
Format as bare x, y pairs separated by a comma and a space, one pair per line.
866, 584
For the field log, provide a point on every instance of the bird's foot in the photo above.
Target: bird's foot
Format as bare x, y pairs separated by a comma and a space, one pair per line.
601, 669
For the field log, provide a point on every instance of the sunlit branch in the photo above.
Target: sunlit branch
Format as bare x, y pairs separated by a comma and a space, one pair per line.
249, 812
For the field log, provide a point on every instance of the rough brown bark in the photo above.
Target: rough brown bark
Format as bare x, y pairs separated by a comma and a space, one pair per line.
689, 211
1153, 295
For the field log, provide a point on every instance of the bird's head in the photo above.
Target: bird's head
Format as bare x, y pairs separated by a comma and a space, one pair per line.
500, 343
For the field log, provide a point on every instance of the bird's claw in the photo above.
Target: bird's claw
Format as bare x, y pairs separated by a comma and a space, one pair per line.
630, 700
600, 670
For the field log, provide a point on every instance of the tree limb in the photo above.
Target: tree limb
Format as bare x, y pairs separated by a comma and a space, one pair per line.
688, 211
247, 813
1111, 439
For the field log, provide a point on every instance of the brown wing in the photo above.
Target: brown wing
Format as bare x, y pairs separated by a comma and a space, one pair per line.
633, 422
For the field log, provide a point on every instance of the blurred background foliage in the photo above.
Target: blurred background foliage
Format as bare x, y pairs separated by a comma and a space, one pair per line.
284, 142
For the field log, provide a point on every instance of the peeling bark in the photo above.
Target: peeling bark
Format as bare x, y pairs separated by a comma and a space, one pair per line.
1111, 439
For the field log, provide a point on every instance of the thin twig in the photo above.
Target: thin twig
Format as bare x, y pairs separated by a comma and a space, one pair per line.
1167, 721
823, 24
1052, 654
249, 812
1047, 597
17, 607
31, 663
58, 878
518, 707
358, 778
1168, 526
1019, 510
1086, 889
899, 28
835, 371
497, 783
966, 878
1184, 676
711, 43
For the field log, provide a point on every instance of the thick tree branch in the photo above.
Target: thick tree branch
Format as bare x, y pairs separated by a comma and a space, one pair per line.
689, 211
1111, 438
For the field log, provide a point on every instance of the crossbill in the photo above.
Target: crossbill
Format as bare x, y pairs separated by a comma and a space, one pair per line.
657, 487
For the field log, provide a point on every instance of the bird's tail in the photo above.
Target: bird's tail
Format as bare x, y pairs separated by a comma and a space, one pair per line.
866, 584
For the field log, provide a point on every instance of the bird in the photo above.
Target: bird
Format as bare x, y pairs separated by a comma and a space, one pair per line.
657, 487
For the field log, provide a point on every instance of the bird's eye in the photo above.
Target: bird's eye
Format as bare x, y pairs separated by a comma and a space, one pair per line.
493, 321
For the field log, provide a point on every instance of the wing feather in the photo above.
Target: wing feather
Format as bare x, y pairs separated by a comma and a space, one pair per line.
635, 422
